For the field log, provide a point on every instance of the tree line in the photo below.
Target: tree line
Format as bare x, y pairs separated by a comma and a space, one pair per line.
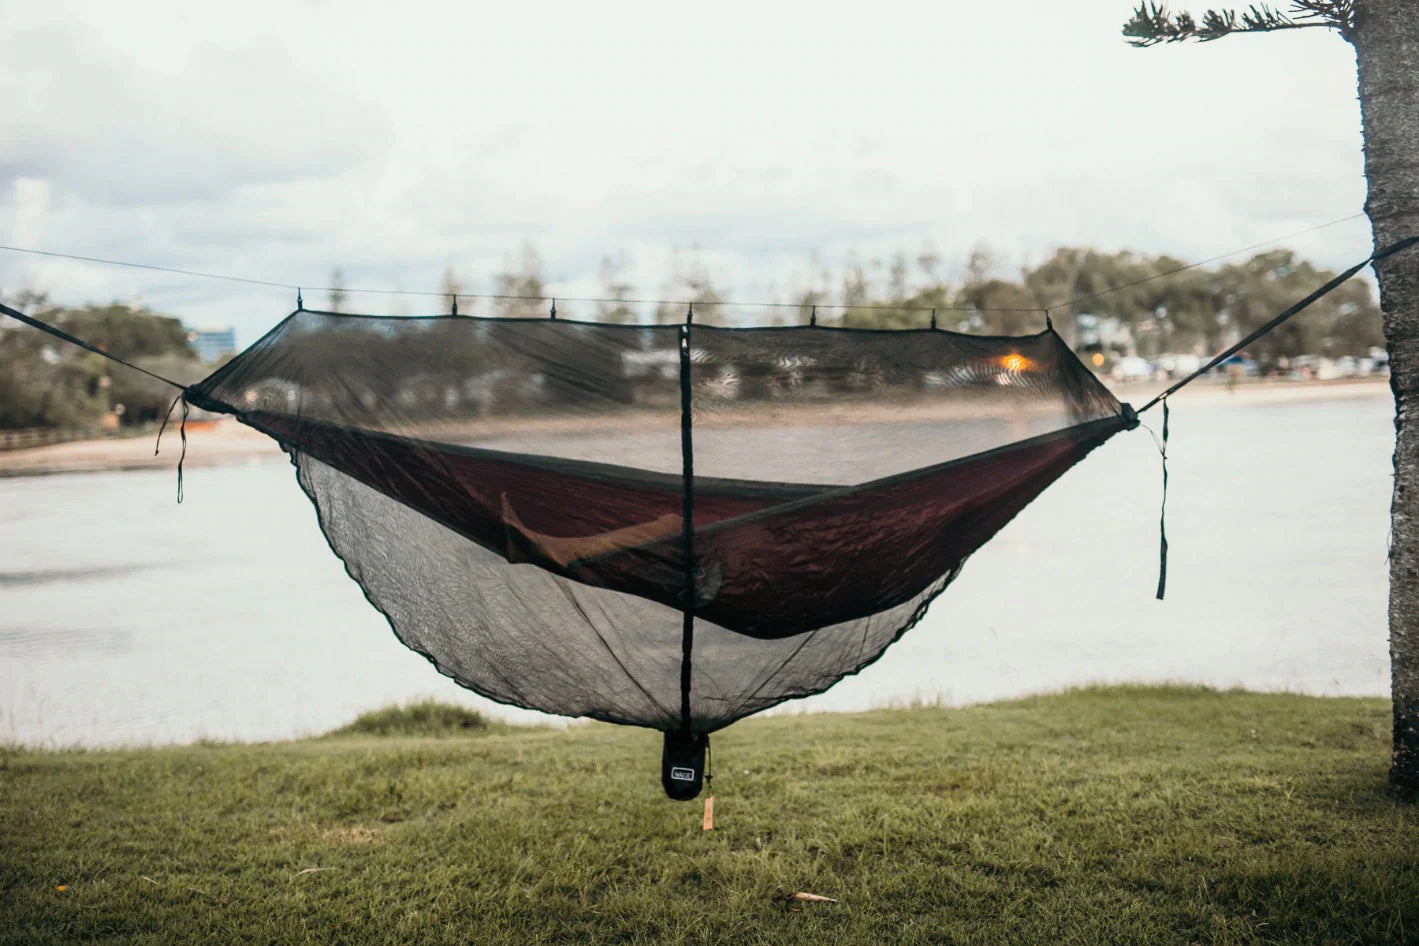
1163, 304
1164, 307
45, 382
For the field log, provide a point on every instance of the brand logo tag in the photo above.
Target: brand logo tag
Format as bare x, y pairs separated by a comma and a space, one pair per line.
682, 775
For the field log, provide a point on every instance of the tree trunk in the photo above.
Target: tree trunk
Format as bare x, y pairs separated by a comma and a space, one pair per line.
1386, 40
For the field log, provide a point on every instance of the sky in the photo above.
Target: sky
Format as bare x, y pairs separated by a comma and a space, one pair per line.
761, 141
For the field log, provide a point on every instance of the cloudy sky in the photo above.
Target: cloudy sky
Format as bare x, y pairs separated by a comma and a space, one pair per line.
760, 139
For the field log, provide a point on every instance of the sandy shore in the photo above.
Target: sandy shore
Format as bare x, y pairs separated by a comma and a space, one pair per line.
1257, 392
228, 441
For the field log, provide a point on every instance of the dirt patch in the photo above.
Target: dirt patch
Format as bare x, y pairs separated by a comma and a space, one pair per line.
353, 834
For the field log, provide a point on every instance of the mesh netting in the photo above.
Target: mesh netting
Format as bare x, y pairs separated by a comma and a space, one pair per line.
667, 526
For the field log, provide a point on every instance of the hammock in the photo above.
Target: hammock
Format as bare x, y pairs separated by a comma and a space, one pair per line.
668, 526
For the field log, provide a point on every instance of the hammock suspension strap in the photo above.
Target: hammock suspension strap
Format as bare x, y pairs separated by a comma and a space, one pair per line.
1393, 248
87, 346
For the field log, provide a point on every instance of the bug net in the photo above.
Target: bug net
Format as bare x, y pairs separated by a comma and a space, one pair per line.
670, 526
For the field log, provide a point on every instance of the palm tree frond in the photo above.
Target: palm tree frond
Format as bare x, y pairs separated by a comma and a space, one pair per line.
1152, 23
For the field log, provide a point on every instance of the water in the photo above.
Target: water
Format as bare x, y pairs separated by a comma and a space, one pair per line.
127, 619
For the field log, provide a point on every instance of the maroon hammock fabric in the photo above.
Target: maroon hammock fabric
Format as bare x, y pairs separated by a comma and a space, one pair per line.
773, 559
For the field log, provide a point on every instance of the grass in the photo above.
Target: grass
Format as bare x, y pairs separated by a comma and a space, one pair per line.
427, 718
1122, 815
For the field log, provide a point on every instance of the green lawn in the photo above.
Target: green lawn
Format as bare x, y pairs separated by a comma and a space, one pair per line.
1122, 815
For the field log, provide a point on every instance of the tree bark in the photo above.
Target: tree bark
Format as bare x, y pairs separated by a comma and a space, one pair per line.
1386, 41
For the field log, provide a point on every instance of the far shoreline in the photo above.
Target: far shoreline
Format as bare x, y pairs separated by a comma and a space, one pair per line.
228, 442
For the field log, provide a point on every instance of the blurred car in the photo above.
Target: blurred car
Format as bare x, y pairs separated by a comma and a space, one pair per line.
1132, 368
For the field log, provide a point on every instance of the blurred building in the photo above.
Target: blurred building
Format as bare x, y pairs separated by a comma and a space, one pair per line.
213, 344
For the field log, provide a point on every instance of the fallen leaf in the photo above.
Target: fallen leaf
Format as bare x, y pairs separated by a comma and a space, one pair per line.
811, 898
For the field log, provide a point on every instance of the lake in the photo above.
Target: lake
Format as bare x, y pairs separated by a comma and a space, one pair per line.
128, 619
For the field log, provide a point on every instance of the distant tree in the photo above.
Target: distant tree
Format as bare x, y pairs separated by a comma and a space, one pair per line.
1184, 306
453, 286
897, 277
1003, 307
928, 260
981, 265
1247, 294
520, 288
1058, 279
857, 297
807, 302
1385, 37
614, 286
690, 282
47, 383
337, 290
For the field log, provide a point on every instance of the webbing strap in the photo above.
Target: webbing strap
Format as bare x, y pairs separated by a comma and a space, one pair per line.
89, 346
1396, 247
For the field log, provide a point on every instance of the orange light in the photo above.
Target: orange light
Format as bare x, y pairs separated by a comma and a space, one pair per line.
1015, 363
1098, 360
